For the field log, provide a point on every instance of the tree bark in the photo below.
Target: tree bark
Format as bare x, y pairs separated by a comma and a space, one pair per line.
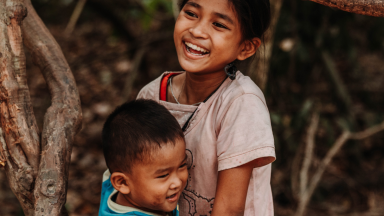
364, 7
37, 173
20, 141
62, 120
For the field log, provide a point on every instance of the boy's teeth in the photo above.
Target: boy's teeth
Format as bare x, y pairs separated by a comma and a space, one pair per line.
195, 47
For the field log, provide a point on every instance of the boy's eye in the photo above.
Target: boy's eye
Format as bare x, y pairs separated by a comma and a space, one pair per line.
162, 176
219, 25
189, 13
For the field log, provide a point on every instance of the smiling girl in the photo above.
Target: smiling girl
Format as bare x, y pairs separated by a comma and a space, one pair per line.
222, 112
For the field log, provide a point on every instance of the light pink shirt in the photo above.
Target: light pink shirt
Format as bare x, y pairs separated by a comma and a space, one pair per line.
231, 129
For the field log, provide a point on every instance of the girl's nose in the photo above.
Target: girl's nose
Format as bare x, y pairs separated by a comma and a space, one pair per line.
198, 31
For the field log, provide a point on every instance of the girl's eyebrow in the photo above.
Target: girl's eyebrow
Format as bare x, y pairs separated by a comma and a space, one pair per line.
217, 14
193, 4
223, 16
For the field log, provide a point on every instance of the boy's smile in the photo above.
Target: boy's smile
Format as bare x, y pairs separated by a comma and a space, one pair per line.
156, 184
207, 36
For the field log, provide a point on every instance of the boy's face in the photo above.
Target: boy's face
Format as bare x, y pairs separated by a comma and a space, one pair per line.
156, 185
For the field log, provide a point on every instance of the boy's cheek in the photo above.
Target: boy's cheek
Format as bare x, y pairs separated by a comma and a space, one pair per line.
184, 177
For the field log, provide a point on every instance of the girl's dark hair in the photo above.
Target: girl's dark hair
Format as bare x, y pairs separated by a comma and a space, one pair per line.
254, 16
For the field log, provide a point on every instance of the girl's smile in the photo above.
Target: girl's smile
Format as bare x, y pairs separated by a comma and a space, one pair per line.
196, 50
193, 51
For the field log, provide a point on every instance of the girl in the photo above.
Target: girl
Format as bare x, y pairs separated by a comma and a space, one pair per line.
222, 112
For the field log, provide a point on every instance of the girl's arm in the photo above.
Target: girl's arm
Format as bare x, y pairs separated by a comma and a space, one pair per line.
232, 187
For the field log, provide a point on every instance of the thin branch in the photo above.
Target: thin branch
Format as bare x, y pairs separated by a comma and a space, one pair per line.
134, 72
341, 89
295, 172
142, 48
343, 138
74, 17
305, 197
368, 132
364, 7
310, 143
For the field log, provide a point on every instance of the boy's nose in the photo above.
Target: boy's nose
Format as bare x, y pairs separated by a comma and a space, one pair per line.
176, 183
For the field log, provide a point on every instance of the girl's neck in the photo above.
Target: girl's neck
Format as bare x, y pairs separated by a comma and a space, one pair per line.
195, 87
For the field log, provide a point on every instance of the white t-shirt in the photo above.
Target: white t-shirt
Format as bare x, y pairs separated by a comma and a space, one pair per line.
231, 129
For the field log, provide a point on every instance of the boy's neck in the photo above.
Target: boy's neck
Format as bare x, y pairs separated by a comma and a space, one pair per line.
195, 87
123, 200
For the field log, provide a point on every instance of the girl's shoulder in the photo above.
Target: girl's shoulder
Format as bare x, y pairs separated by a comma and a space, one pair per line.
152, 89
241, 86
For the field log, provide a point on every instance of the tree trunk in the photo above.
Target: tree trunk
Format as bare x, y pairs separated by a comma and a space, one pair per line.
37, 172
364, 7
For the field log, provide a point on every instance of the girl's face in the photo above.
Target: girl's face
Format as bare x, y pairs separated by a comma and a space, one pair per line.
207, 36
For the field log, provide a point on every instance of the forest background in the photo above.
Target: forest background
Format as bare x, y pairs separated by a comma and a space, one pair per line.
325, 63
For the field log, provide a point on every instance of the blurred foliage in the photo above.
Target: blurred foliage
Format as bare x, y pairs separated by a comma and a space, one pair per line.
151, 7
299, 82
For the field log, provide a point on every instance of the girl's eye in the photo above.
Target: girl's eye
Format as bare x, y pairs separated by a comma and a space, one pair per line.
219, 25
163, 176
183, 165
189, 13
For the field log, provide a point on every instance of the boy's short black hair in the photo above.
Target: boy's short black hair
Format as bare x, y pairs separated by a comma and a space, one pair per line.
134, 130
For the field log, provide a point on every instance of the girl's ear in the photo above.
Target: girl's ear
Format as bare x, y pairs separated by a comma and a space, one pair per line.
248, 48
120, 182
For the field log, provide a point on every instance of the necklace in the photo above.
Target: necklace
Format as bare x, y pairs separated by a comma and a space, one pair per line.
182, 88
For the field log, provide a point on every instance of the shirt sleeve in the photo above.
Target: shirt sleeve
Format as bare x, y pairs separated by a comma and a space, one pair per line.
245, 133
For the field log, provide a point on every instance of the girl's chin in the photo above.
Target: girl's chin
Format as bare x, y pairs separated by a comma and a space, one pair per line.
192, 68
189, 66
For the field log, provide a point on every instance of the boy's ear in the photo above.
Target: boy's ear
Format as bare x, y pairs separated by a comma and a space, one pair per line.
248, 48
120, 182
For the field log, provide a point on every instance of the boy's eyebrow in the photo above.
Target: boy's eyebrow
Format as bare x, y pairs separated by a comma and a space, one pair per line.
159, 171
223, 16
193, 4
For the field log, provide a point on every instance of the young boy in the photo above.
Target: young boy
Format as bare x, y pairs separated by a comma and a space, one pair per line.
144, 150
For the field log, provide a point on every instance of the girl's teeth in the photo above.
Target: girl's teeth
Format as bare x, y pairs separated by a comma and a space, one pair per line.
188, 49
195, 47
